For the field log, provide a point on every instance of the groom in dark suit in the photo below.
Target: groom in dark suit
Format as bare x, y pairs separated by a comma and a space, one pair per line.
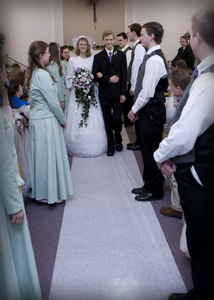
110, 71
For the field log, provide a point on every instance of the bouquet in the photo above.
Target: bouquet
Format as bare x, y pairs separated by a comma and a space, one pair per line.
84, 92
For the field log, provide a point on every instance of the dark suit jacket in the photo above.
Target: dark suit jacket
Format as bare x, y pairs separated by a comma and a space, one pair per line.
117, 67
186, 55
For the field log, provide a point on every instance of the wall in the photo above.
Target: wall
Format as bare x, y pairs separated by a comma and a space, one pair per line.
24, 21
172, 14
78, 19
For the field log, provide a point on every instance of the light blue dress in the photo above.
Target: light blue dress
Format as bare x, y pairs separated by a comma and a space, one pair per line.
50, 179
64, 65
53, 68
18, 273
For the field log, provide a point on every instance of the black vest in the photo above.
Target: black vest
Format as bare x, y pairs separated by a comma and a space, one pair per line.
129, 71
203, 150
127, 49
161, 87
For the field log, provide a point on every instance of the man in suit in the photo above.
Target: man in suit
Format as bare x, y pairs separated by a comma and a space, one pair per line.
185, 53
149, 109
110, 71
122, 40
138, 52
188, 151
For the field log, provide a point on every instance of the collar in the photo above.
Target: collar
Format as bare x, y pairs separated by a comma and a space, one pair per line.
137, 41
153, 49
107, 51
205, 63
124, 48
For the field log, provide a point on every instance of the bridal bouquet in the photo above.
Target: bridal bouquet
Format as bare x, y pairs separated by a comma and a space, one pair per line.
84, 92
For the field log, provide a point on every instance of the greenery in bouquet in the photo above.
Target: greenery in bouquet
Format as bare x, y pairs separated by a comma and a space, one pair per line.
84, 92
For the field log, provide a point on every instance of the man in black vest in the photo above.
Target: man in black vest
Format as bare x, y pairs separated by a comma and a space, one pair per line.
149, 109
122, 40
137, 55
188, 151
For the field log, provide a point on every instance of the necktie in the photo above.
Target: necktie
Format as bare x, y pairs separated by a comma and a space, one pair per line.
145, 57
195, 73
110, 56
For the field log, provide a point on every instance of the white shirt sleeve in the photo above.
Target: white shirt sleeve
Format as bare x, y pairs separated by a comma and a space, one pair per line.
128, 57
138, 59
197, 115
154, 71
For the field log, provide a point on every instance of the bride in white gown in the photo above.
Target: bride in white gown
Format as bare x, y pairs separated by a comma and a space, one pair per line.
90, 140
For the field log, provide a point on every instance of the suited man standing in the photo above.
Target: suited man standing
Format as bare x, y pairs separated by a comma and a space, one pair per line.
185, 53
122, 40
110, 71
138, 52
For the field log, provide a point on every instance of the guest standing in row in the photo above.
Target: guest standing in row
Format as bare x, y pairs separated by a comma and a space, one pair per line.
149, 107
138, 52
18, 272
50, 180
55, 69
189, 152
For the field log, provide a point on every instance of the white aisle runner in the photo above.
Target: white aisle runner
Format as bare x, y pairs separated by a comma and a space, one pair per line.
111, 247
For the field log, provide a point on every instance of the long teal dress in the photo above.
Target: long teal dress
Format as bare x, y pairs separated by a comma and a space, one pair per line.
18, 273
50, 179
53, 68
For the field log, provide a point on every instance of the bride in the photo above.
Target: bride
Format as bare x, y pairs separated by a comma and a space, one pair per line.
85, 139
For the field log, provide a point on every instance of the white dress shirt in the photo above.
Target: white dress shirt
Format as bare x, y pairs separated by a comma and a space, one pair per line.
128, 54
139, 53
154, 71
196, 117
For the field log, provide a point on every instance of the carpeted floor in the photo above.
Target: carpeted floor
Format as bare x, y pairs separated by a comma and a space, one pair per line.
103, 244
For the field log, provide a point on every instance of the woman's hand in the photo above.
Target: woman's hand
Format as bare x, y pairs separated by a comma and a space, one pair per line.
18, 217
62, 104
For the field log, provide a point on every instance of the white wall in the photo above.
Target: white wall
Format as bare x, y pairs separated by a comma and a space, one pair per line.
24, 21
174, 15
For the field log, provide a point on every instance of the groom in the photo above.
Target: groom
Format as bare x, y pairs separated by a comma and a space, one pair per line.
110, 71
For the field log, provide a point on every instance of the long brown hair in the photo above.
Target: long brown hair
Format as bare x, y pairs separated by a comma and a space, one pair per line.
55, 55
36, 48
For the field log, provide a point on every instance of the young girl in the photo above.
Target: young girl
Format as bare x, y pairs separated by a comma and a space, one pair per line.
50, 179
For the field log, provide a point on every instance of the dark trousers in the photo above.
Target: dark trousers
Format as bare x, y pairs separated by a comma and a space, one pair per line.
150, 122
112, 113
127, 106
198, 205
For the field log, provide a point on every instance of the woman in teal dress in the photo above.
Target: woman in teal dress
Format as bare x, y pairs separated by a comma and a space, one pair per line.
18, 272
55, 69
50, 179
65, 55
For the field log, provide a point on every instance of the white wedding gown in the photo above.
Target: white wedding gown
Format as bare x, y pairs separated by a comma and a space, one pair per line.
90, 141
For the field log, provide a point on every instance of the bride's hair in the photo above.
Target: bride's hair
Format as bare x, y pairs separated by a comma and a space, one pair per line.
88, 51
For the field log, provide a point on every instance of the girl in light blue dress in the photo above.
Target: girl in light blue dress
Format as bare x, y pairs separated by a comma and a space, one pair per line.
50, 178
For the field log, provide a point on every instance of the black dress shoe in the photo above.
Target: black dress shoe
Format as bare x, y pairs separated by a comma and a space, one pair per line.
139, 191
119, 147
177, 296
147, 196
130, 144
110, 153
134, 147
